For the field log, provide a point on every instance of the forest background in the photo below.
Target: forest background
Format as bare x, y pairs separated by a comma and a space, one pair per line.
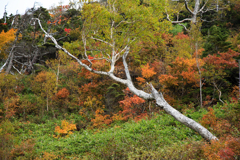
53, 108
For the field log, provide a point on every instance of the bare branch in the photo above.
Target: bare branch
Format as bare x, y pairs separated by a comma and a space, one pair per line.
13, 20
125, 63
103, 58
11, 55
184, 27
112, 29
207, 10
85, 48
17, 70
203, 7
45, 53
18, 62
69, 54
102, 41
176, 22
220, 93
123, 22
62, 38
3, 65
206, 20
186, 6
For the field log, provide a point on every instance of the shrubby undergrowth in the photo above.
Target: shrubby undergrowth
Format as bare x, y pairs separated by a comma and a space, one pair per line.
159, 137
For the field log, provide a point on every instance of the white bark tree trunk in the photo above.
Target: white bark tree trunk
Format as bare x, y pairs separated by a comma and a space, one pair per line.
200, 74
181, 118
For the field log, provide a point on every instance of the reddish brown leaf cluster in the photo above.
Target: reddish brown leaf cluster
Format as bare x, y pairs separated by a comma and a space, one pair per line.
182, 71
223, 60
220, 126
237, 7
228, 148
26, 147
181, 35
131, 106
63, 93
67, 30
209, 119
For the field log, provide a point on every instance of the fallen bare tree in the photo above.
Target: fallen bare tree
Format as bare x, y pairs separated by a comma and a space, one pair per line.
118, 28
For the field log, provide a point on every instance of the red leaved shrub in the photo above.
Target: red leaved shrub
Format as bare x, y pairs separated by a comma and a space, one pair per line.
131, 106
63, 93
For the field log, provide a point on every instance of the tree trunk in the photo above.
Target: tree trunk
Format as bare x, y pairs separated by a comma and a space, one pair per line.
195, 12
200, 74
10, 63
47, 102
238, 78
31, 62
160, 101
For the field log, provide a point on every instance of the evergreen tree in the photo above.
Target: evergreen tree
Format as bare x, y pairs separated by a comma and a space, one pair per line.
216, 41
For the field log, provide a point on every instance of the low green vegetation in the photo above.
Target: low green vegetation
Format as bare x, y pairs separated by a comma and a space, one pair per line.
159, 137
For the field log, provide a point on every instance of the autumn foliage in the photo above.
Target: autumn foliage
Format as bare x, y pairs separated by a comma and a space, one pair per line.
65, 129
26, 147
223, 60
131, 107
221, 127
100, 119
62, 94
5, 40
181, 72
56, 15
67, 30
228, 147
148, 72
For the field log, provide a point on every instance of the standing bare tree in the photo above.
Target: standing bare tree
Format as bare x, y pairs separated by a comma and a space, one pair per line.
195, 9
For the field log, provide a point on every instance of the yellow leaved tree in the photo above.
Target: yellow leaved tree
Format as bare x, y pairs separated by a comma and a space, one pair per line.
65, 129
5, 40
45, 84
